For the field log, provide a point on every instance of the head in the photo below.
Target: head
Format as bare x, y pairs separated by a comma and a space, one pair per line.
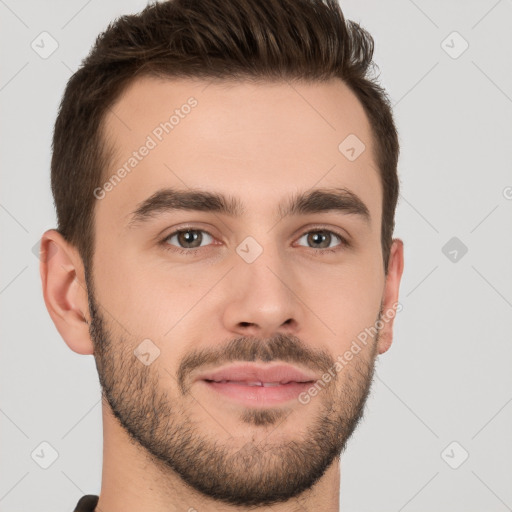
225, 179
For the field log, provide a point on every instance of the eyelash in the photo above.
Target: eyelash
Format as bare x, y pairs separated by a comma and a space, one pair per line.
191, 252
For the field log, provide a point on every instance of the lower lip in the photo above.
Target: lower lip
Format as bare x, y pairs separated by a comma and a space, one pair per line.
259, 395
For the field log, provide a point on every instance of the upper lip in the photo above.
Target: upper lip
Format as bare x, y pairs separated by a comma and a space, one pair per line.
249, 372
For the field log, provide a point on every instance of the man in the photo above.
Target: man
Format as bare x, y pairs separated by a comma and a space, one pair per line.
225, 179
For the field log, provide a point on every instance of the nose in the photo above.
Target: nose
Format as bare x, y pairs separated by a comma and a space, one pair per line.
263, 298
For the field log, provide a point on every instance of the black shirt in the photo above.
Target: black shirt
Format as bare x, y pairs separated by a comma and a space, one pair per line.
86, 503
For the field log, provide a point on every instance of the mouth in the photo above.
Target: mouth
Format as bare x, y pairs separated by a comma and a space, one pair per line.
258, 385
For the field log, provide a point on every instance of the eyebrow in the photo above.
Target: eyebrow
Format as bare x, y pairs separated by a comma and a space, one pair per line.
340, 200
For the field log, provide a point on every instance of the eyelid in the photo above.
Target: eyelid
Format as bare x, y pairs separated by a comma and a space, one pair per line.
344, 235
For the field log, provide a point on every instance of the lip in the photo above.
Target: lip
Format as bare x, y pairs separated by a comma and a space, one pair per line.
254, 385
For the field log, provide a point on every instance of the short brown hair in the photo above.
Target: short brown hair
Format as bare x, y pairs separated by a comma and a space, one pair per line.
210, 39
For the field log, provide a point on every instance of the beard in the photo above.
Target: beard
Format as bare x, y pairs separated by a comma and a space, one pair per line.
237, 471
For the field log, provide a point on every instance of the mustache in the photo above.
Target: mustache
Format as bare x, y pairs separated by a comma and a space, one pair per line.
281, 347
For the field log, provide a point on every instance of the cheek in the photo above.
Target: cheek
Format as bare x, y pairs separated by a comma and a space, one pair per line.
349, 301
147, 295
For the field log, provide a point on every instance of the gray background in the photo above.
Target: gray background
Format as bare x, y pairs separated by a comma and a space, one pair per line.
447, 377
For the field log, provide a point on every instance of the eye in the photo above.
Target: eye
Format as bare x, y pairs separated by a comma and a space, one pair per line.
188, 238
323, 239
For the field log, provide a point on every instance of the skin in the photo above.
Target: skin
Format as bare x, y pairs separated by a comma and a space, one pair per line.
260, 143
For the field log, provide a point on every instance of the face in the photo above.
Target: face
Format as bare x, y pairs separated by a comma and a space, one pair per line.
242, 235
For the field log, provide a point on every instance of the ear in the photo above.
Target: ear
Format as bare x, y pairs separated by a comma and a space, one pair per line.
390, 305
64, 291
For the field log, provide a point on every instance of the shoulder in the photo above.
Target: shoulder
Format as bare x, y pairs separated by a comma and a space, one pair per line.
86, 503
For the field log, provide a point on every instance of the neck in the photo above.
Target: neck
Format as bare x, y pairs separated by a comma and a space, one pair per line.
132, 481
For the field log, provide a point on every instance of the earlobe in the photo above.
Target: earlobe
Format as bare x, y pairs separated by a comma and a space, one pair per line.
391, 294
64, 291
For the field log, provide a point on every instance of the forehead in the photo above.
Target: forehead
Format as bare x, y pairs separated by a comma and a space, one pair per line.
256, 141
